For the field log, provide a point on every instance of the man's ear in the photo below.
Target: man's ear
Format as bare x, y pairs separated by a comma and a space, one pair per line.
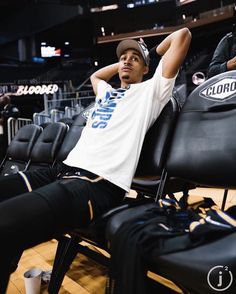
146, 70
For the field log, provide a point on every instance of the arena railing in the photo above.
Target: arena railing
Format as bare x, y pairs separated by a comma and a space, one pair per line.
41, 118
14, 124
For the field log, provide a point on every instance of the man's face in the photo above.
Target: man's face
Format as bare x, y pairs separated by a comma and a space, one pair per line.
131, 67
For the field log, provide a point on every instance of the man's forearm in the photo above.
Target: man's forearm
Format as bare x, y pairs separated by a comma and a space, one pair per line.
106, 73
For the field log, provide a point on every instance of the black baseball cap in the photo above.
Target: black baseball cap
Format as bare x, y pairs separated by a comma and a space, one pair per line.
139, 46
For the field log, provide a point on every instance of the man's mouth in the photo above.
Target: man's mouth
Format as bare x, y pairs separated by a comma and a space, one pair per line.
126, 69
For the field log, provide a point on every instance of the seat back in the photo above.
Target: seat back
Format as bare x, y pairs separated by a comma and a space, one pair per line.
203, 149
155, 145
71, 138
154, 150
46, 147
19, 151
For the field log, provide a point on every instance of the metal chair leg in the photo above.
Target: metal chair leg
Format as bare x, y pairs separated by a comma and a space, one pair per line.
224, 199
66, 252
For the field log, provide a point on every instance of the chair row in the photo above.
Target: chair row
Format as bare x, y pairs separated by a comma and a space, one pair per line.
34, 147
183, 149
68, 115
194, 146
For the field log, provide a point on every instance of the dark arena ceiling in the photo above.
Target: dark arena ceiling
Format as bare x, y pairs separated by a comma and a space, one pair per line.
86, 23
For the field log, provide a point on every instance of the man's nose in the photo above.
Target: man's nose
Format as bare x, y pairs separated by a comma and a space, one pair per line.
128, 60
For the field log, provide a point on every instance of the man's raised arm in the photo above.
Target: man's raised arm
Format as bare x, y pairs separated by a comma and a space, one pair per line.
105, 73
174, 48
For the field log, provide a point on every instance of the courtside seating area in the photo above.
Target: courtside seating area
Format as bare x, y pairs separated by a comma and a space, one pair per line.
184, 148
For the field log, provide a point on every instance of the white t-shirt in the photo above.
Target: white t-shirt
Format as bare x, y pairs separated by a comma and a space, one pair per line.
111, 141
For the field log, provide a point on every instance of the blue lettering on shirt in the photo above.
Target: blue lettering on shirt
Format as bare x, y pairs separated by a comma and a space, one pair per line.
105, 108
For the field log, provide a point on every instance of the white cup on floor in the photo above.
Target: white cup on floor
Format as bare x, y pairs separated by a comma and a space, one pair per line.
32, 280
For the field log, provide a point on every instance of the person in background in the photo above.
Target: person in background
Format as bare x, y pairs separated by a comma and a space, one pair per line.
4, 102
36, 206
224, 57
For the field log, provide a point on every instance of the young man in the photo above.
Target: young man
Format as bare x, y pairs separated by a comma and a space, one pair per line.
39, 205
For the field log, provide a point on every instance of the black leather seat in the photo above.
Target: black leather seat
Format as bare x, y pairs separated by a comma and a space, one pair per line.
71, 138
191, 269
19, 151
203, 152
47, 145
152, 159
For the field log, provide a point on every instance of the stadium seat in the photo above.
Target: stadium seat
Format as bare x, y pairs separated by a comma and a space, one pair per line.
47, 145
18, 152
70, 139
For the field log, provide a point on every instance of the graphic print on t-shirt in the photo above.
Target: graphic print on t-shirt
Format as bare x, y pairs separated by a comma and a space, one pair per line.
105, 107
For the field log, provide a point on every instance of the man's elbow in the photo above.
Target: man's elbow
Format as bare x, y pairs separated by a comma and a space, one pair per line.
185, 33
184, 39
93, 77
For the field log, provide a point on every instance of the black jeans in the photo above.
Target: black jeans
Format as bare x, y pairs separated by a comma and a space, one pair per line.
53, 207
